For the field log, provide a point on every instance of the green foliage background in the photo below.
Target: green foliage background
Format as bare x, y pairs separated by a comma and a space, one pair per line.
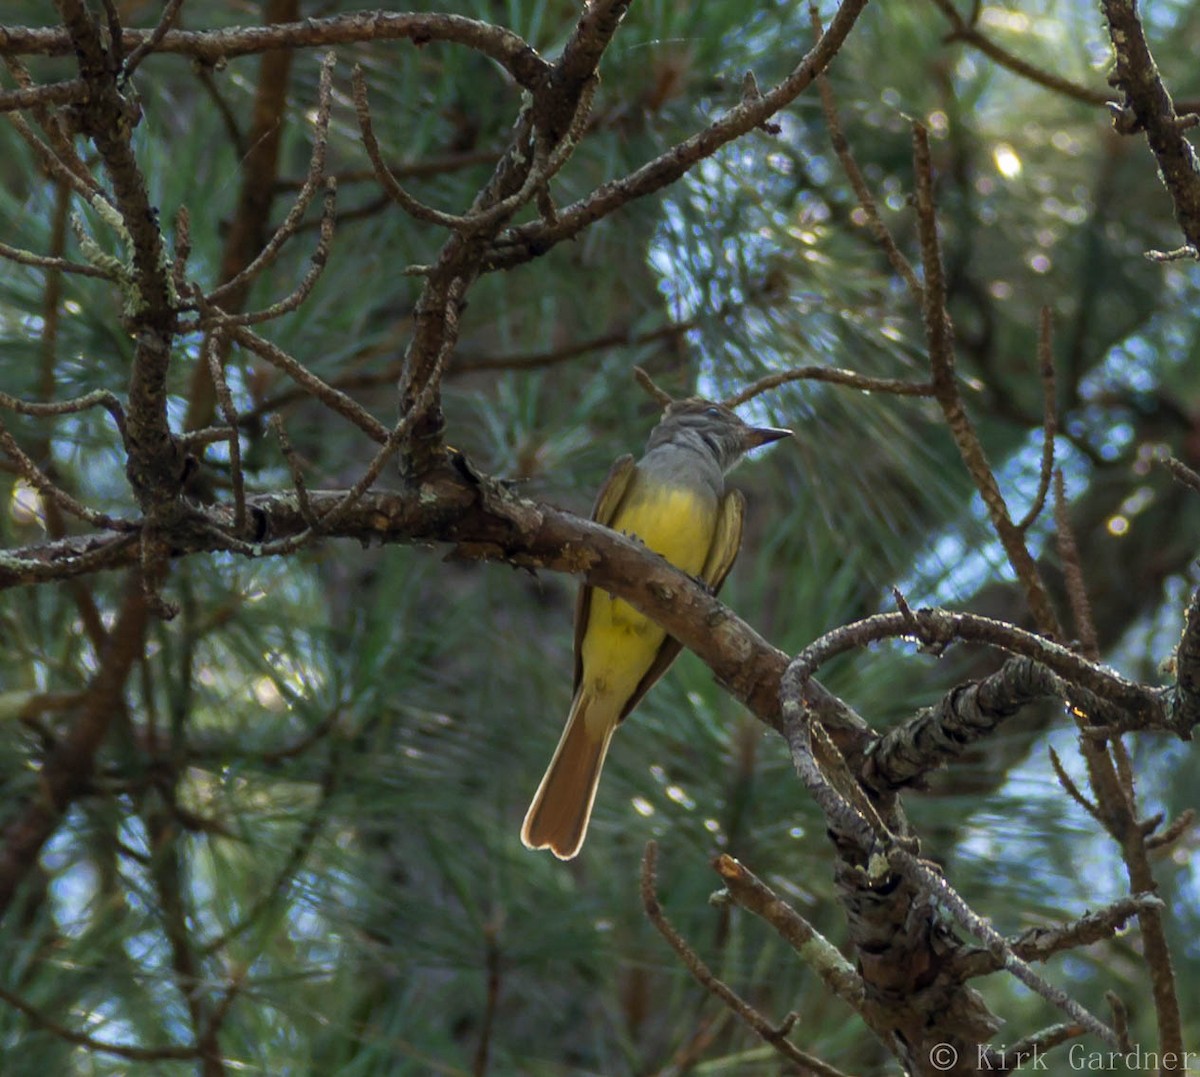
361, 729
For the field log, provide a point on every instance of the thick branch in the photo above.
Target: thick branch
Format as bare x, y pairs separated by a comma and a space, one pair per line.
484, 522
1149, 108
215, 46
533, 240
154, 466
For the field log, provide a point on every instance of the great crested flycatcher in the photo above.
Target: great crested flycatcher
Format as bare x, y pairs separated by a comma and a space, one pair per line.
674, 500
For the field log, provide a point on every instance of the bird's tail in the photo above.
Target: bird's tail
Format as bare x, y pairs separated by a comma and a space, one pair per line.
558, 817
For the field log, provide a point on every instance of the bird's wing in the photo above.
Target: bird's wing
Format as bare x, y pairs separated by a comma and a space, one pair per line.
608, 500
727, 540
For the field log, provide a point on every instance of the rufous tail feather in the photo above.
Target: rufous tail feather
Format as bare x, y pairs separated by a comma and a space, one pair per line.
558, 817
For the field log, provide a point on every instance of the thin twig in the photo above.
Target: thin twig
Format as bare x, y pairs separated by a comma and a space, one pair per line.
660, 396
532, 240
1181, 472
966, 32
212, 352
317, 263
819, 953
42, 261
939, 339
323, 391
45, 486
213, 47
1013, 1057
1072, 790
834, 375
1049, 420
312, 183
775, 1036
90, 1043
148, 45
862, 192
293, 463
80, 180
43, 409
1072, 567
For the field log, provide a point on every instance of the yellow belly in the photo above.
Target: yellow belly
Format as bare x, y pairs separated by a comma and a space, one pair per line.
619, 644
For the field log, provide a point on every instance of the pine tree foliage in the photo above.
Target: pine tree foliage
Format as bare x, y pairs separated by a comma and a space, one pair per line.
294, 848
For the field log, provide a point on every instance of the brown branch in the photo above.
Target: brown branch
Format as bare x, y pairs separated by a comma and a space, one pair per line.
389, 374
485, 521
1043, 943
259, 170
1027, 1052
308, 282
148, 44
217, 46
967, 714
40, 481
61, 152
771, 1034
835, 376
1120, 1019
660, 396
533, 240
80, 1039
71, 91
866, 201
1071, 789
212, 352
68, 770
332, 398
1148, 107
235, 287
1175, 830
818, 953
881, 861
64, 169
1072, 567
966, 32
44, 409
59, 265
935, 629
403, 430
1049, 421
293, 463
940, 342
1182, 473
384, 175
1185, 700
154, 465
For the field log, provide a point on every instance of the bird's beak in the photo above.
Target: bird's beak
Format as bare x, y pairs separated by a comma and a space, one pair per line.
764, 435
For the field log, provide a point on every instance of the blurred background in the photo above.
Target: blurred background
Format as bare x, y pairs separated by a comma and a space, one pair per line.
342, 743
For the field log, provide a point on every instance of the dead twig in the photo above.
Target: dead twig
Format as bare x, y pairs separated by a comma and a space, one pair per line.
1049, 421
774, 1035
1072, 566
312, 183
940, 343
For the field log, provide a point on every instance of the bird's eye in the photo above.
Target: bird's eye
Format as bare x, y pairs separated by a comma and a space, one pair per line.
713, 413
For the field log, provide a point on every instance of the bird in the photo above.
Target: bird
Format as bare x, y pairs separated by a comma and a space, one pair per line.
674, 501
